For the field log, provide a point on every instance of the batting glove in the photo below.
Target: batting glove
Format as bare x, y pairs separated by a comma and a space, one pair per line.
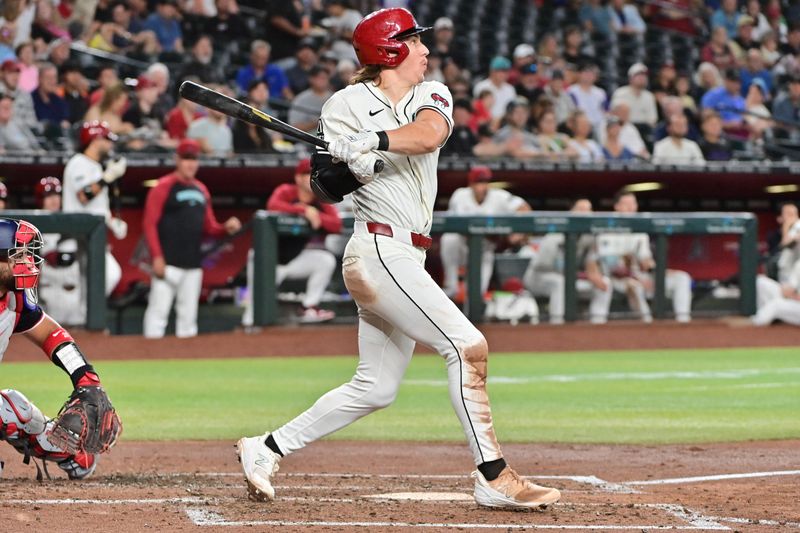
118, 227
115, 170
348, 147
363, 167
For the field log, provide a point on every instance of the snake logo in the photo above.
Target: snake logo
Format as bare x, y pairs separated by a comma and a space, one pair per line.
440, 100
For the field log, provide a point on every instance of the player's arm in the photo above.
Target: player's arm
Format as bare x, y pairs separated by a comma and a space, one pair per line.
427, 133
114, 170
284, 201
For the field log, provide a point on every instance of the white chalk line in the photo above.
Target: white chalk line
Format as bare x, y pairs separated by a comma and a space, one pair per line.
716, 477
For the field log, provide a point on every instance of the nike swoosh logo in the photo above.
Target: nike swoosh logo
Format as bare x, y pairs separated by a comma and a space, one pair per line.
373, 113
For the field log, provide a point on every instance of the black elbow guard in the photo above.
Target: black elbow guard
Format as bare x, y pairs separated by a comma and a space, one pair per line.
330, 181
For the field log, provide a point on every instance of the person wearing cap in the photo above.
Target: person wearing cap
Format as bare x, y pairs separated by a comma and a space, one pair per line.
306, 57
478, 199
524, 55
556, 92
442, 43
75, 91
529, 83
261, 68
302, 257
307, 106
786, 108
640, 101
744, 41
588, 97
727, 100
23, 103
727, 16
177, 215
497, 83
14, 135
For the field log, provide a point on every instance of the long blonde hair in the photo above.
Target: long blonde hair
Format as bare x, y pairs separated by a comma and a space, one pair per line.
367, 73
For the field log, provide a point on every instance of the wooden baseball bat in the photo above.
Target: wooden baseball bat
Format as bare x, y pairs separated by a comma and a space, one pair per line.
239, 110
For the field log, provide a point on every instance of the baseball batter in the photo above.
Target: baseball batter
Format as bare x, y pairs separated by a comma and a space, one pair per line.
390, 109
22, 424
86, 185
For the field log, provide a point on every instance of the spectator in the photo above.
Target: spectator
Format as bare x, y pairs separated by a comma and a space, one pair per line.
670, 106
664, 83
345, 70
707, 78
727, 100
306, 57
754, 69
482, 111
523, 57
158, 73
131, 37
727, 16
628, 261
8, 32
179, 118
212, 132
677, 149
640, 101
574, 50
248, 138
164, 24
50, 107
86, 185
462, 139
433, 72
769, 49
792, 45
106, 77
588, 97
177, 214
307, 106
15, 136
58, 51
613, 149
625, 18
761, 24
595, 18
74, 91
718, 51
497, 83
744, 41
287, 25
629, 135
227, 25
787, 109
544, 275
443, 42
24, 111
758, 119
302, 257
513, 137
588, 151
201, 64
563, 104
553, 145
110, 110
340, 23
713, 144
260, 68
29, 71
479, 198
144, 116
529, 85
547, 50
683, 90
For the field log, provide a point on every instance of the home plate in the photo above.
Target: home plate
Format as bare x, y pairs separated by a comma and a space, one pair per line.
424, 496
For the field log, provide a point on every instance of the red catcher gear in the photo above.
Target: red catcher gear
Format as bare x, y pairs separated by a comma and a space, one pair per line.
20, 244
46, 186
95, 130
378, 38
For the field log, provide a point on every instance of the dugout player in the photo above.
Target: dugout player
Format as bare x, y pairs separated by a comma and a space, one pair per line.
177, 214
22, 424
301, 257
86, 184
390, 109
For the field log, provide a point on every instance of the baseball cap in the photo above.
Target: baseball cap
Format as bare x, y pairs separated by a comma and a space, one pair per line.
143, 82
761, 84
523, 50
308, 42
637, 68
557, 74
188, 149
479, 173
443, 23
303, 166
11, 66
500, 63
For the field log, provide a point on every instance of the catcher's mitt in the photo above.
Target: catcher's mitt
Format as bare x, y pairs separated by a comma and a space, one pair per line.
86, 423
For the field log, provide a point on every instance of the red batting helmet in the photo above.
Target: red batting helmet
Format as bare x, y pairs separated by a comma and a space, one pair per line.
46, 187
95, 129
382, 32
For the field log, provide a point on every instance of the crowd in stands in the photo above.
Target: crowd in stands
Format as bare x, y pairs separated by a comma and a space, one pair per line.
736, 97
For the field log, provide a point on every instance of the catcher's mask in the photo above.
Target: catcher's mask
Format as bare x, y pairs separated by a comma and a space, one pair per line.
20, 245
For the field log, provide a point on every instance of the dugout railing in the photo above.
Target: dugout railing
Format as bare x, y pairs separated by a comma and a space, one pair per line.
90, 231
269, 226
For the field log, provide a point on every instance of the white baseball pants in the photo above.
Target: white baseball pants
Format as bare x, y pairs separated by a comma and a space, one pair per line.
399, 304
182, 285
453, 250
551, 284
772, 305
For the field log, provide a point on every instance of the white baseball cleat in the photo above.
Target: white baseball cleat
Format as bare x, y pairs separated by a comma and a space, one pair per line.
259, 464
511, 491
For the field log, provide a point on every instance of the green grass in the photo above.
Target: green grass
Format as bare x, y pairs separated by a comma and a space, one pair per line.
598, 397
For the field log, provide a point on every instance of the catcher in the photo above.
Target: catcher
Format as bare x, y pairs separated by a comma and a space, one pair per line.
87, 424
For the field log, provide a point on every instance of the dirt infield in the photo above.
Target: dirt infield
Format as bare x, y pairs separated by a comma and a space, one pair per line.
357, 486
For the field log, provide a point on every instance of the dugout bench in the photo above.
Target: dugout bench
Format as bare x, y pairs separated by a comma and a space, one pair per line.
269, 226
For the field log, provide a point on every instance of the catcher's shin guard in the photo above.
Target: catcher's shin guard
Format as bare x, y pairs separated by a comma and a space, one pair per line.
24, 426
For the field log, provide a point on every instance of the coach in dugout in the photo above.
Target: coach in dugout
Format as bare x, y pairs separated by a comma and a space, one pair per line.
177, 214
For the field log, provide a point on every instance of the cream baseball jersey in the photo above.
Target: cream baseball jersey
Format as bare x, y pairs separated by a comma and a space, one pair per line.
497, 202
612, 248
403, 195
80, 172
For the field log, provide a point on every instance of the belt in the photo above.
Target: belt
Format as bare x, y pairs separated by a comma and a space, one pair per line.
402, 235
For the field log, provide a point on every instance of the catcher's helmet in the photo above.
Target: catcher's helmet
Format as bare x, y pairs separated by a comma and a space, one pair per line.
20, 244
46, 186
382, 32
95, 129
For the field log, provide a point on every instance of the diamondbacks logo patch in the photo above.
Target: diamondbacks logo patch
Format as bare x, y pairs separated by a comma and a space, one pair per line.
440, 100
